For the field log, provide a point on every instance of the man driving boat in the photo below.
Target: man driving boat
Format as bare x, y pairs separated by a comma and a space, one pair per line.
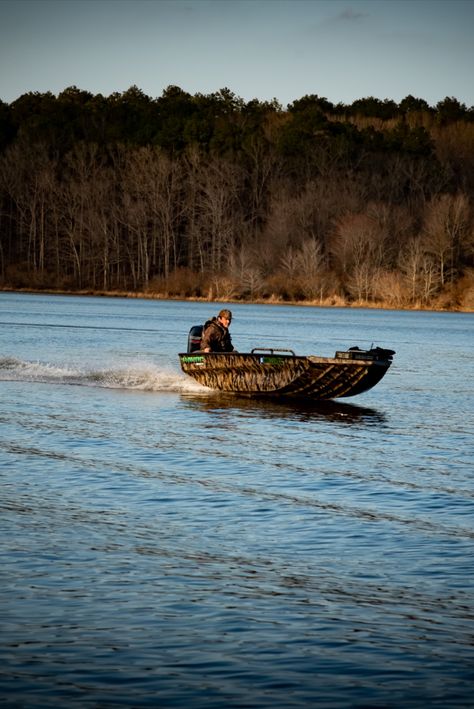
216, 336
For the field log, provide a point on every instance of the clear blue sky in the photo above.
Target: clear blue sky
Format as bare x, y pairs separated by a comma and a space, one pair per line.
340, 49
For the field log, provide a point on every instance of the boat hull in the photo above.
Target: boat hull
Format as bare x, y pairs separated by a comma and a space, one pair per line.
274, 375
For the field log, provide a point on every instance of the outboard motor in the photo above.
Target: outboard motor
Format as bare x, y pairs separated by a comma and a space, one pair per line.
194, 338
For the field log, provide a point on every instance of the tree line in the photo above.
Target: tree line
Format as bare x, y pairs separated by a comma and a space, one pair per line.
210, 196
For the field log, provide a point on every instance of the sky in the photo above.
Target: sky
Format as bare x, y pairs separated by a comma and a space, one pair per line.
342, 50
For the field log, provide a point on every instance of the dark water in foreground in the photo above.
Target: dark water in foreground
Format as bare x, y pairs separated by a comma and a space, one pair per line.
166, 547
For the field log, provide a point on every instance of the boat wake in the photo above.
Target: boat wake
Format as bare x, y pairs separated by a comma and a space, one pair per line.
140, 376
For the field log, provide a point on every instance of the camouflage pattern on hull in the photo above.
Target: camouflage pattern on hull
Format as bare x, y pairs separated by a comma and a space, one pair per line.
283, 376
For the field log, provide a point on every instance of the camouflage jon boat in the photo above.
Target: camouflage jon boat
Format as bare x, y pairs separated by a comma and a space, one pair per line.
274, 373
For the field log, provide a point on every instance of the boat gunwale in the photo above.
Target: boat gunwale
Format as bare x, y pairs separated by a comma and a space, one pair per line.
316, 359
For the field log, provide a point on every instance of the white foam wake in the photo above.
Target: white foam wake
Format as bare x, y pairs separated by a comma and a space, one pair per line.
144, 377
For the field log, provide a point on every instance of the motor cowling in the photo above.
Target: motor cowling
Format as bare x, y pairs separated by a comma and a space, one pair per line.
194, 338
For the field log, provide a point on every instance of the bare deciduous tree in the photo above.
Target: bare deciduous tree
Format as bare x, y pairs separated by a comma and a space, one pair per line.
312, 270
446, 222
419, 272
358, 247
388, 288
245, 272
216, 212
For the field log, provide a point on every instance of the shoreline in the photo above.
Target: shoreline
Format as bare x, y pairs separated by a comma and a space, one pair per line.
143, 295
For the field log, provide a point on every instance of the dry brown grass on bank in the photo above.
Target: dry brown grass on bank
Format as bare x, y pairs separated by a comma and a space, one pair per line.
445, 303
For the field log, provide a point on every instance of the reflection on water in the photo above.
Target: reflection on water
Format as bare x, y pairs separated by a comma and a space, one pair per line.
285, 408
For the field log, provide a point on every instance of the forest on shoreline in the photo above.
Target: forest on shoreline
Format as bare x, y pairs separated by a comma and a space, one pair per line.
209, 197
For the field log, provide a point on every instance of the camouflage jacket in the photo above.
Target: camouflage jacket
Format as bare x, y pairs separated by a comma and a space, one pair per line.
216, 336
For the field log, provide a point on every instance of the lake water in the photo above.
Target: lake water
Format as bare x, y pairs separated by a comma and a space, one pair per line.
165, 546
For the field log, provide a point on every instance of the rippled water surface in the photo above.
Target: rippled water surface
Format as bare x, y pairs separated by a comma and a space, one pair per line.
166, 546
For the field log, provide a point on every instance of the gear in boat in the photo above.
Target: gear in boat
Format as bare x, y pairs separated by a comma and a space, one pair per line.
274, 373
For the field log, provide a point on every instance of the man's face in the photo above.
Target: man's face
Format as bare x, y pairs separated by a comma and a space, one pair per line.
225, 321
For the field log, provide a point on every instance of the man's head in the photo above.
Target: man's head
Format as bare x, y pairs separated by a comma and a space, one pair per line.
225, 317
